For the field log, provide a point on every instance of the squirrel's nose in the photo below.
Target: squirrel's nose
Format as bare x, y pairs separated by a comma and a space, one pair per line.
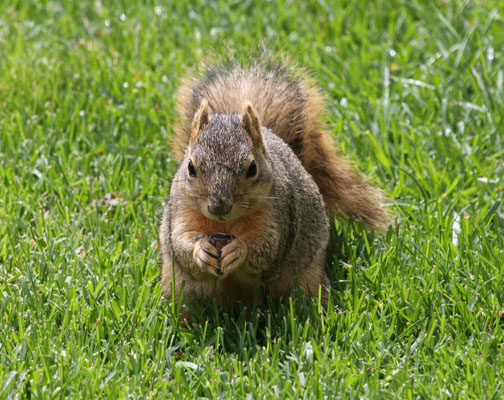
219, 206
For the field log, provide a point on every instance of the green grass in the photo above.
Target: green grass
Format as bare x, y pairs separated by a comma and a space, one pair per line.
415, 97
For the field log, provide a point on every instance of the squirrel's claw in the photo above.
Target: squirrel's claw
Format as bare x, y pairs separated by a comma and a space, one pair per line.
232, 256
207, 257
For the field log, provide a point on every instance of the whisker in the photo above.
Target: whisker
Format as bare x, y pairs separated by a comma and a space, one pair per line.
157, 198
250, 208
174, 197
183, 197
184, 206
251, 196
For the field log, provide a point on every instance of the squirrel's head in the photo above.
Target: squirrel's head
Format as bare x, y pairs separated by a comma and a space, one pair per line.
226, 166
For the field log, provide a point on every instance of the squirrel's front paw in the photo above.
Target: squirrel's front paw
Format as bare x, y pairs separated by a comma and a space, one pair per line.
207, 257
232, 255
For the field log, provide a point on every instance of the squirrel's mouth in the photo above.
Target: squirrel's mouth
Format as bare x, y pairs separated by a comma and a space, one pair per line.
221, 218
227, 216
219, 208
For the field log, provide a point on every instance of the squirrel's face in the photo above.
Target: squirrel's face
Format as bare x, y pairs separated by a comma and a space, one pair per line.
226, 171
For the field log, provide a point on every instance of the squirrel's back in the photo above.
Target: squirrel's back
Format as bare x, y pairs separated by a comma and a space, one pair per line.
287, 103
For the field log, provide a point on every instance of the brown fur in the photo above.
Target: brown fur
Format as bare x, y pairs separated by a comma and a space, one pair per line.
255, 163
291, 107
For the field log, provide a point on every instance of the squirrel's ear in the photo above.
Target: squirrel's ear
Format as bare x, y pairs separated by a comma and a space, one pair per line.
250, 122
200, 120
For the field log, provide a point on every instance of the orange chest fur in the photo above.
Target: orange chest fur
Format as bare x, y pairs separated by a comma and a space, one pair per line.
243, 228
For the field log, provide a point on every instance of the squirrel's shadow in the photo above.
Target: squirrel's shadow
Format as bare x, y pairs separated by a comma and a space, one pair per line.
349, 241
242, 329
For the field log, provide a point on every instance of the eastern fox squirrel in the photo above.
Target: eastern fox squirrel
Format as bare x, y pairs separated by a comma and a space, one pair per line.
247, 205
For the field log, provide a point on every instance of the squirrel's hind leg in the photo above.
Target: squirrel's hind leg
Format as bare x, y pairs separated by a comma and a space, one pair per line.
310, 279
172, 285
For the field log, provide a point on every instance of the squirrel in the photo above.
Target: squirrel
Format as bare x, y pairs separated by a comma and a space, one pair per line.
257, 173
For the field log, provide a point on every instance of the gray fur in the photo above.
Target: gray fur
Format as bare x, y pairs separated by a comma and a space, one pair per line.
292, 248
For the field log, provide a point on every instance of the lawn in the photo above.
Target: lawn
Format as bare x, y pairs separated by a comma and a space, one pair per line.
415, 99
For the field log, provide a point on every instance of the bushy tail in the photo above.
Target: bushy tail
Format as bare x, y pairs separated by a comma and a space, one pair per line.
290, 106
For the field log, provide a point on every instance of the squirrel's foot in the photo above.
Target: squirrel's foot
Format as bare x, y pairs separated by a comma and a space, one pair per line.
207, 257
232, 256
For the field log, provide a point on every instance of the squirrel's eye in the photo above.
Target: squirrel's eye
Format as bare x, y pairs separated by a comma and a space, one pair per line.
191, 169
252, 170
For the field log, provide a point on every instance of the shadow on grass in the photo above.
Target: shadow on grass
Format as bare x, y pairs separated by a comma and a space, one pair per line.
243, 330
